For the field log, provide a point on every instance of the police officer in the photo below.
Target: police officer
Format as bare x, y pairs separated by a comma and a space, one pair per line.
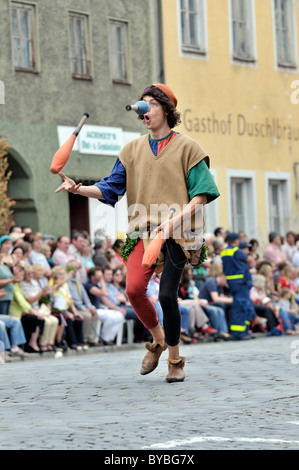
236, 266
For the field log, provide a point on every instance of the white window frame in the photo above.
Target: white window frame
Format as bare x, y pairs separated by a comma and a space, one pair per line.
237, 57
283, 180
291, 62
119, 51
80, 54
201, 49
211, 210
31, 39
250, 215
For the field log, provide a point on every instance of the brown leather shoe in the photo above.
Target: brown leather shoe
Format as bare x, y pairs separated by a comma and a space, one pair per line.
175, 370
151, 359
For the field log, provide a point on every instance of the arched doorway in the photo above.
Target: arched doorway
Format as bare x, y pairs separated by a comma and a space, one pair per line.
20, 189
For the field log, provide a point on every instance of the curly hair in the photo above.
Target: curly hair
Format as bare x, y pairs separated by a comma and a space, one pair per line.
173, 116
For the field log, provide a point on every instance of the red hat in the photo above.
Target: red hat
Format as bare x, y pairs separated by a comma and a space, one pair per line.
162, 88
168, 92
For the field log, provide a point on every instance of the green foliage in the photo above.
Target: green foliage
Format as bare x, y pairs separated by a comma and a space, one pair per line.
203, 256
127, 248
6, 203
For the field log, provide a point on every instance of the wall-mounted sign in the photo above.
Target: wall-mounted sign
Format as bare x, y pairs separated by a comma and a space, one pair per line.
100, 140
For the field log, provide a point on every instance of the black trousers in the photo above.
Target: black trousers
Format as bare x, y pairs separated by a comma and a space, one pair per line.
174, 263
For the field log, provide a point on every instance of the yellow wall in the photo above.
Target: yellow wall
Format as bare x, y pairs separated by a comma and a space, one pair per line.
232, 94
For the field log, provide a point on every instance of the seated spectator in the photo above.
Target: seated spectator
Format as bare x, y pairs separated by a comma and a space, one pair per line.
91, 325
46, 250
153, 289
117, 250
266, 269
198, 320
64, 307
32, 320
111, 319
254, 245
36, 256
26, 248
287, 281
34, 293
117, 299
212, 292
286, 301
263, 304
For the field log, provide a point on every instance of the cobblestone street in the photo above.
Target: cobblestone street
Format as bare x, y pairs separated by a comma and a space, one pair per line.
237, 395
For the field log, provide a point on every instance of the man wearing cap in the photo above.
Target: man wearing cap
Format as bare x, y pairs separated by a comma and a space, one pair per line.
236, 265
167, 170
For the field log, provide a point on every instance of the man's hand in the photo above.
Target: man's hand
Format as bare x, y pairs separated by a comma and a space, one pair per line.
68, 184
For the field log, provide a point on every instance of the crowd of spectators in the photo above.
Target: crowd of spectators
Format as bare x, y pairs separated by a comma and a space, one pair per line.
71, 293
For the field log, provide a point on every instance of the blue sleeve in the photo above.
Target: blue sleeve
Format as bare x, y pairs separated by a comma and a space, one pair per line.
113, 187
240, 255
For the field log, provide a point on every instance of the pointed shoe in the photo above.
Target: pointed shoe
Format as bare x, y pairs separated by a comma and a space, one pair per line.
176, 370
151, 359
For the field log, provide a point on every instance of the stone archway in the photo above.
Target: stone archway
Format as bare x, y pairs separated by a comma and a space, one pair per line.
20, 189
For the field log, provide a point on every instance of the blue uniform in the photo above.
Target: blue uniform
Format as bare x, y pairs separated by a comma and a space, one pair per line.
238, 277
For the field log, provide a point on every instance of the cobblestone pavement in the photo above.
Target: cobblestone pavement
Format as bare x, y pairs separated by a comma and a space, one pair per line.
237, 395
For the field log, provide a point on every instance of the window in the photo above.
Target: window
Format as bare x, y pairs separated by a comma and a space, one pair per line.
242, 30
192, 26
119, 55
278, 199
285, 33
242, 195
79, 47
23, 37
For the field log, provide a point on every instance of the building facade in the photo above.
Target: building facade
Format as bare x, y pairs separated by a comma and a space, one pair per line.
238, 93
59, 60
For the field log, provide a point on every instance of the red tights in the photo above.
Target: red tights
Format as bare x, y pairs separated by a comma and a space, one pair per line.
137, 281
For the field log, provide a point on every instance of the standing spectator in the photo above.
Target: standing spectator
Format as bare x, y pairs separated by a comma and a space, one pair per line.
16, 238
295, 259
99, 258
5, 247
7, 280
289, 248
61, 254
76, 250
16, 334
273, 252
87, 255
